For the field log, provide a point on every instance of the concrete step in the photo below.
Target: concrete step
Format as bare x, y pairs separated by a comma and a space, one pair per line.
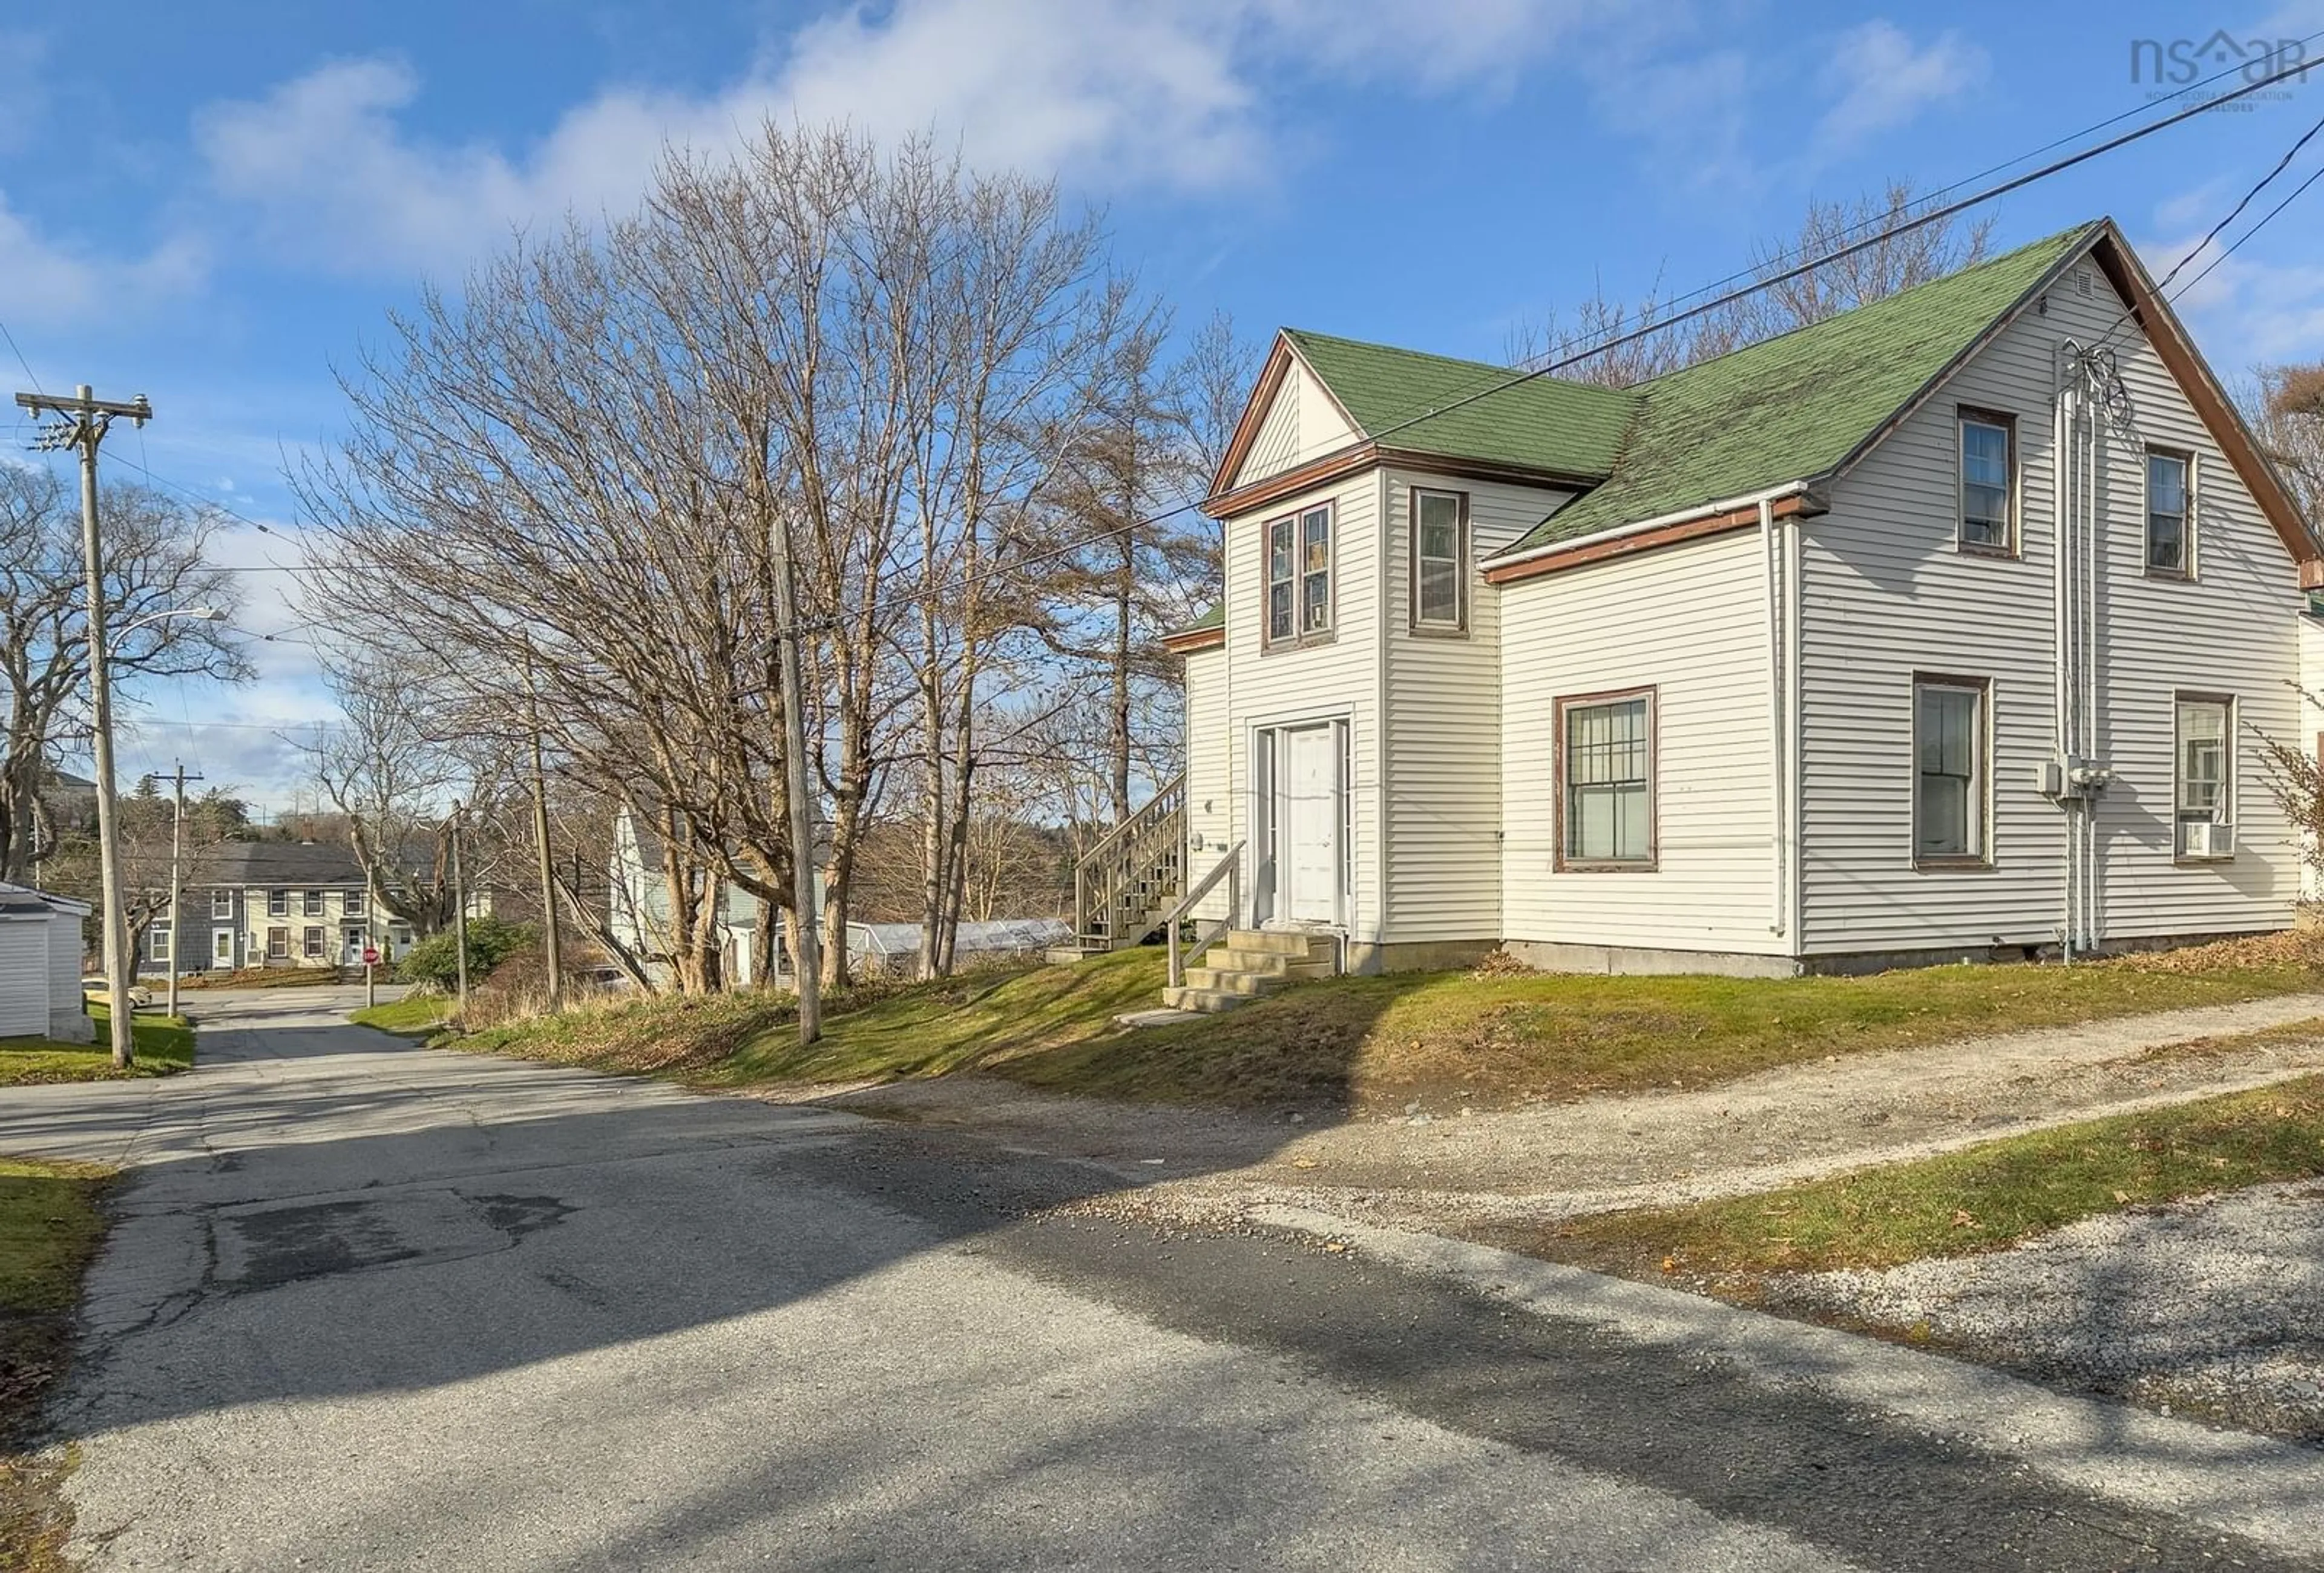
1289, 943
1234, 980
1210, 1002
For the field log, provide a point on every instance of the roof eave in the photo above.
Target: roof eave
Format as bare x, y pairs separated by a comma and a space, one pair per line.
1791, 497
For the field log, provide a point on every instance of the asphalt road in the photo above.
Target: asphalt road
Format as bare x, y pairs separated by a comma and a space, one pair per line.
370, 1307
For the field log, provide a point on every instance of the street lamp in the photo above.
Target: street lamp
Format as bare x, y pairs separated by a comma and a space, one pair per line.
108, 834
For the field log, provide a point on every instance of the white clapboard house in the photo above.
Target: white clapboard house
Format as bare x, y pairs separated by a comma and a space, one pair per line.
1948, 627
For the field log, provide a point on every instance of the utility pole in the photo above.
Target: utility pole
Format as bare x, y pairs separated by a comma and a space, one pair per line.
808, 961
371, 935
177, 880
459, 911
87, 419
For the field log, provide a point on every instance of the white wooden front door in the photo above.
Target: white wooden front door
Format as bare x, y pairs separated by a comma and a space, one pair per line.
1308, 812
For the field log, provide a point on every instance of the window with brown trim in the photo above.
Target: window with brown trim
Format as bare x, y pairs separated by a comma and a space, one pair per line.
2203, 793
1605, 781
2170, 513
278, 944
1440, 561
1987, 473
1299, 576
1951, 776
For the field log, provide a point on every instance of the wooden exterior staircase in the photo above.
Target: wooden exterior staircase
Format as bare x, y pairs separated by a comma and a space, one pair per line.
1126, 885
1248, 963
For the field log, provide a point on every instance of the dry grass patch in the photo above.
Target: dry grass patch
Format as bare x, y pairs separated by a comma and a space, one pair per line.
51, 1221
1982, 1199
1495, 1037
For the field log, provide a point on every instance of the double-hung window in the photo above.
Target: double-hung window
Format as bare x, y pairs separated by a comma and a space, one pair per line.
1605, 787
353, 900
278, 944
1299, 576
2170, 546
1440, 561
1989, 473
1949, 771
312, 941
278, 903
2205, 791
221, 903
157, 941
313, 905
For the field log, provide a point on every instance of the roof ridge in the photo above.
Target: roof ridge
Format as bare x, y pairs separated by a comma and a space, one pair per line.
1518, 375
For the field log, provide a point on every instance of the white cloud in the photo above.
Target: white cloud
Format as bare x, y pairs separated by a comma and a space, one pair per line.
44, 280
1878, 79
1182, 96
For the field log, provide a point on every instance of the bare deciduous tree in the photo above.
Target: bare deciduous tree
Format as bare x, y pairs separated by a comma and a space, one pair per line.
1900, 259
155, 560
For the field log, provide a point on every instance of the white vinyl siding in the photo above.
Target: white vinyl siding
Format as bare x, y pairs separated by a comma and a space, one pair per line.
1443, 701
1689, 622
1888, 594
1210, 790
1335, 678
25, 985
1302, 423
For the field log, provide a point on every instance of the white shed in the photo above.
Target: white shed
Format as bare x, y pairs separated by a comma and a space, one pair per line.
39, 965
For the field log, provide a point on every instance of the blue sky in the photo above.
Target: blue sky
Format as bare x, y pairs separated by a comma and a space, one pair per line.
215, 204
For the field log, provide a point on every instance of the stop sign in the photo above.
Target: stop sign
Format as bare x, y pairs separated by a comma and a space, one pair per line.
370, 956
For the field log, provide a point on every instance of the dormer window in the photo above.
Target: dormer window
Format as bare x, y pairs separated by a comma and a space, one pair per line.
1299, 576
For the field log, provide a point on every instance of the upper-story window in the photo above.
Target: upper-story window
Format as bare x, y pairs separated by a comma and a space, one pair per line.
355, 904
314, 904
278, 903
1299, 576
1989, 482
221, 903
1440, 560
2170, 546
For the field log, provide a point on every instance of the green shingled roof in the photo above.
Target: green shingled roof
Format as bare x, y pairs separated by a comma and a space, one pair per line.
1570, 428
1216, 617
1796, 407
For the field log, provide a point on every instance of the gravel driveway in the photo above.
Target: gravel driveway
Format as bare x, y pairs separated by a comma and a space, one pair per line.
2213, 1307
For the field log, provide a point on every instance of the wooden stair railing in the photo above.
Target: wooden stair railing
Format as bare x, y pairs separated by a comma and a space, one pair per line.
1132, 874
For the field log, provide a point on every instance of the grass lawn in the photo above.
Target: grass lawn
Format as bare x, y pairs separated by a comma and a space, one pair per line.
164, 1045
1503, 1037
1980, 1199
52, 1219
418, 1017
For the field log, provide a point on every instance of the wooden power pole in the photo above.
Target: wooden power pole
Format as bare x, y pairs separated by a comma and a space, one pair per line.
87, 419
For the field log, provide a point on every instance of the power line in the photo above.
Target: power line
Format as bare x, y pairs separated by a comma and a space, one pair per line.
21, 361
2289, 198
2243, 202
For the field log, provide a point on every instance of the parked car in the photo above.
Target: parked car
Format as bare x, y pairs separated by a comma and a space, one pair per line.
96, 988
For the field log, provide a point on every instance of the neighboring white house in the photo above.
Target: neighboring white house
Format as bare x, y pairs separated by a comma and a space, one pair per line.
638, 912
1811, 657
39, 965
276, 903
